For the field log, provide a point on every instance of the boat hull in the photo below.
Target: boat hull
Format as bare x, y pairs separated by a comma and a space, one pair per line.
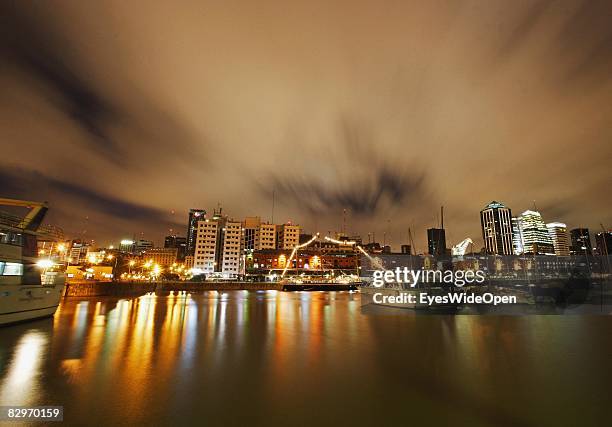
20, 303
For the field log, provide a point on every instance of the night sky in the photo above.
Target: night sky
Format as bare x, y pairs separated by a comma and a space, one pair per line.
123, 115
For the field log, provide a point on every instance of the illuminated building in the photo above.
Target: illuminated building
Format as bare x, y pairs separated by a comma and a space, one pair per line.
188, 262
204, 258
305, 260
558, 234
218, 247
267, 237
536, 239
250, 236
161, 256
142, 245
581, 242
496, 223
258, 235
78, 252
231, 253
288, 236
195, 215
126, 245
517, 237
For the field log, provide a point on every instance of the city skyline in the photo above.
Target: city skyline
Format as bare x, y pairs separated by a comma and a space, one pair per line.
507, 234
125, 124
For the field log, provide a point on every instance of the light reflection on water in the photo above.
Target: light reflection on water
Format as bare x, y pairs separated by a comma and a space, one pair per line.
271, 357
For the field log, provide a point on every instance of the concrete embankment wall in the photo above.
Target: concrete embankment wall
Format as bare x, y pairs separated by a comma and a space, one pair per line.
90, 288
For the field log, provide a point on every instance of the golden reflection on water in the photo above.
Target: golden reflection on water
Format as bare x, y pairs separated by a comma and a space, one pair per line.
134, 361
21, 383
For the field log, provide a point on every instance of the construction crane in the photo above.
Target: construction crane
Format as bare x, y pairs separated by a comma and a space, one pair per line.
460, 248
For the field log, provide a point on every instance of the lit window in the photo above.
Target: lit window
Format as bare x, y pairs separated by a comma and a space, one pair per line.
12, 269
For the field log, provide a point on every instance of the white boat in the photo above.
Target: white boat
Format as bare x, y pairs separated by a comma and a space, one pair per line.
30, 287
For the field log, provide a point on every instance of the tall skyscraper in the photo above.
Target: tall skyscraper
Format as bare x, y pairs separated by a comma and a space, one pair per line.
194, 216
436, 241
496, 223
536, 239
558, 234
581, 242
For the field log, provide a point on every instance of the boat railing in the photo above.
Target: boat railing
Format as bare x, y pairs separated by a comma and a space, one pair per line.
44, 232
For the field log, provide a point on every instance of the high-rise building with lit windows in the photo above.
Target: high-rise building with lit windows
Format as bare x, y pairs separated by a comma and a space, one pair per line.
558, 234
205, 246
496, 223
230, 260
288, 236
536, 239
581, 242
218, 246
195, 215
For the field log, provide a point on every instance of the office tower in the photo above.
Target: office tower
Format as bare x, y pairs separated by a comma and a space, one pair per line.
195, 215
142, 245
259, 235
205, 246
288, 236
581, 242
496, 223
436, 241
78, 252
603, 241
517, 237
250, 227
536, 239
161, 256
558, 234
218, 246
231, 248
180, 243
127, 245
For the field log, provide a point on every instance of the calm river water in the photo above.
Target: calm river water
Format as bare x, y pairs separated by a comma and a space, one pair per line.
245, 358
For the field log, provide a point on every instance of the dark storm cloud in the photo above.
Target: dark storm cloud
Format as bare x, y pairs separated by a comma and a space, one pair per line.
22, 183
26, 44
384, 185
374, 180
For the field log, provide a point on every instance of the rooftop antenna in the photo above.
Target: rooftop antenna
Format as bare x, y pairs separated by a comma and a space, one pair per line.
535, 208
344, 221
273, 196
442, 217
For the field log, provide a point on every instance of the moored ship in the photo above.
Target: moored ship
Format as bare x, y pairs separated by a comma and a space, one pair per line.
30, 288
